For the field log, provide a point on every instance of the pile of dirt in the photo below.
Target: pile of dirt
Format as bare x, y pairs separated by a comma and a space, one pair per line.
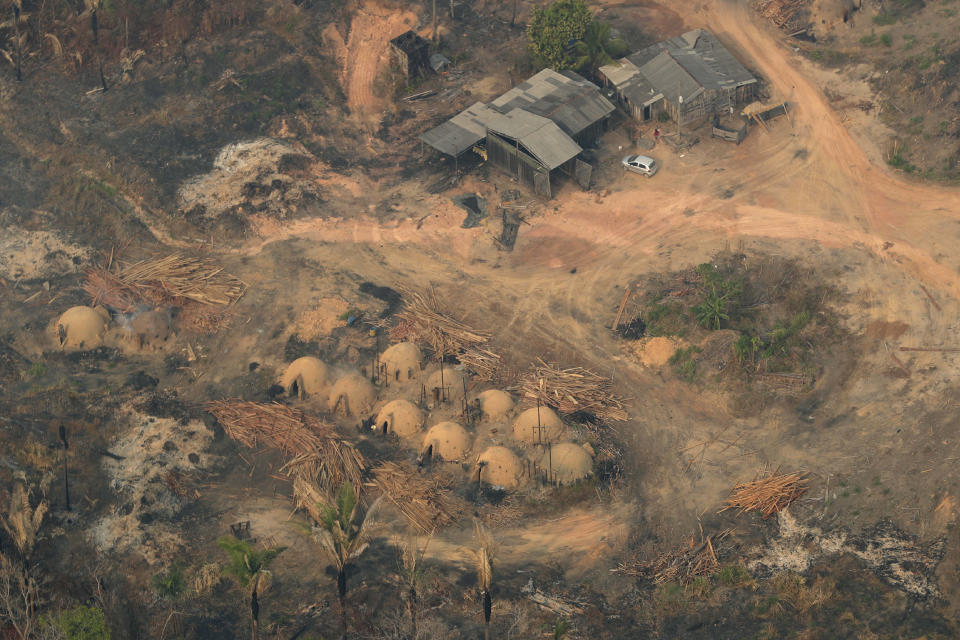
260, 176
28, 255
150, 478
655, 352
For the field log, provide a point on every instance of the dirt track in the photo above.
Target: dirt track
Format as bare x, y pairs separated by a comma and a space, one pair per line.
806, 188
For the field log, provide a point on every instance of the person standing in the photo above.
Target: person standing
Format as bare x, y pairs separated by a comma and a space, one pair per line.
656, 136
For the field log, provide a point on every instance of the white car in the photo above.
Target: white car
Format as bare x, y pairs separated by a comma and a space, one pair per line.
641, 164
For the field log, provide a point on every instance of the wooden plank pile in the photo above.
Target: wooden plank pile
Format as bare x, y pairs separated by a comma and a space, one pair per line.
173, 279
315, 452
768, 493
572, 391
681, 565
421, 320
426, 503
780, 12
268, 424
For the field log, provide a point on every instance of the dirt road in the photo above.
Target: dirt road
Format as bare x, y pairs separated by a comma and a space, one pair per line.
805, 187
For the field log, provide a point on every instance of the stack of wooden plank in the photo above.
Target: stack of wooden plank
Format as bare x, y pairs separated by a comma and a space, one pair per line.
573, 390
768, 493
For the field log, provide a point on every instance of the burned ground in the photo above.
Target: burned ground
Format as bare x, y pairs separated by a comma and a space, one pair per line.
94, 178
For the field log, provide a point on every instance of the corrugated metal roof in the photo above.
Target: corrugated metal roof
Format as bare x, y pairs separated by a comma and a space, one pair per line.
666, 74
462, 131
684, 65
567, 99
540, 136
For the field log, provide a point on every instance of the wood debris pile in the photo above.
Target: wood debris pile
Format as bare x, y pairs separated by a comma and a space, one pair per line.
681, 565
572, 391
780, 12
269, 424
422, 320
333, 463
174, 279
426, 503
315, 452
768, 493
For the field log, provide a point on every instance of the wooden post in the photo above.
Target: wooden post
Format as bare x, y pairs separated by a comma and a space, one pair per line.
623, 305
66, 482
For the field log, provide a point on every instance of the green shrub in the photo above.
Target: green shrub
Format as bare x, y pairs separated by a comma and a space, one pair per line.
80, 623
684, 364
733, 575
663, 116
869, 40
884, 19
170, 584
886, 39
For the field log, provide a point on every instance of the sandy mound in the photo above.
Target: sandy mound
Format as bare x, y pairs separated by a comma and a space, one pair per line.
536, 425
82, 327
567, 462
306, 376
655, 352
26, 255
151, 484
447, 440
450, 384
495, 404
352, 395
322, 319
401, 417
500, 467
251, 176
401, 361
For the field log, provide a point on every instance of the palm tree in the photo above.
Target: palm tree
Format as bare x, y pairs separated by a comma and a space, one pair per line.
170, 585
410, 561
597, 48
21, 521
248, 566
343, 533
484, 553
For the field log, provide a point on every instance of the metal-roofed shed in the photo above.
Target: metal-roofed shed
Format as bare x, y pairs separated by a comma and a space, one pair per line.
571, 102
543, 139
694, 65
462, 131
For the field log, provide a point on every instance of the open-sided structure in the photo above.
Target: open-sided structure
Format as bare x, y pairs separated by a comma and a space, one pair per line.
532, 131
689, 77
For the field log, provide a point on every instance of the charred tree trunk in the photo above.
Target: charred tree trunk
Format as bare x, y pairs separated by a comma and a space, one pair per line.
103, 78
94, 25
16, 36
342, 596
434, 21
487, 610
412, 609
254, 615
513, 19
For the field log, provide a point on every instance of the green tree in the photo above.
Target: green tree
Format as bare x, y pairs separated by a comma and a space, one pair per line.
343, 533
170, 585
552, 32
712, 312
80, 623
248, 566
597, 48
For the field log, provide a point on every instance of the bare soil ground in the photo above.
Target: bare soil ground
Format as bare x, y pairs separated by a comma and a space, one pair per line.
877, 434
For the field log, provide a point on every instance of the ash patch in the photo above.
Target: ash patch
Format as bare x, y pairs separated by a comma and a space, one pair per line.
29, 255
894, 556
250, 177
152, 484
